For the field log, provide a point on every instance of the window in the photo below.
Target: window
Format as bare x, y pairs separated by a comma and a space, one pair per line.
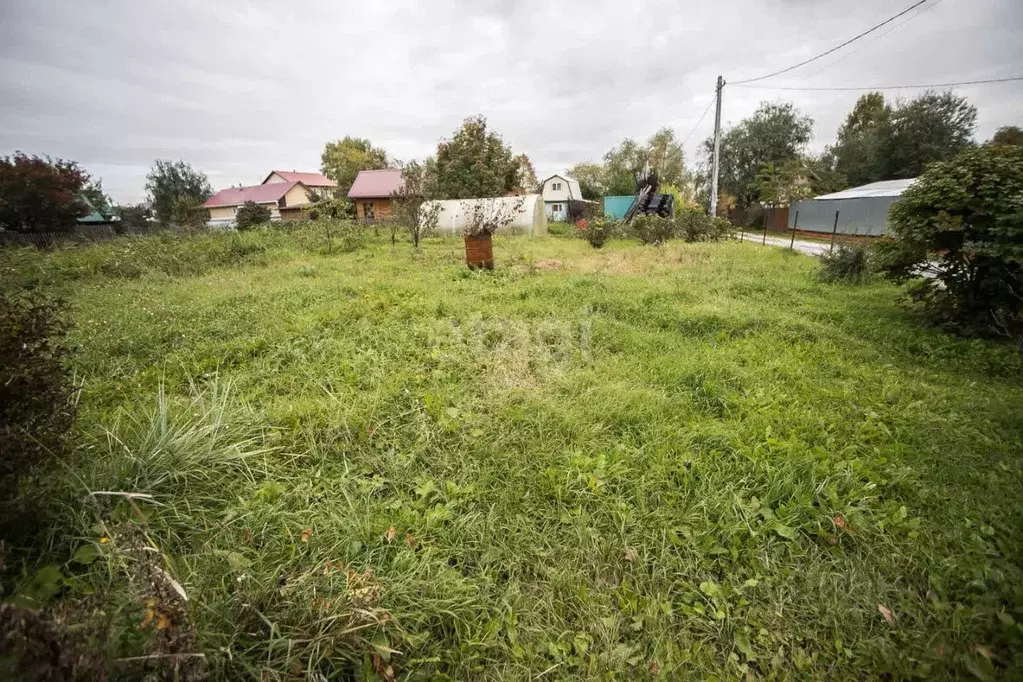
556, 208
367, 210
556, 186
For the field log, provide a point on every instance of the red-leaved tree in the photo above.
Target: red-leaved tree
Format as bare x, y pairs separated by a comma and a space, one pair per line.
40, 194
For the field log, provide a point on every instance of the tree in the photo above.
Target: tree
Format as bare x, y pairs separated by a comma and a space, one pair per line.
93, 193
773, 134
174, 185
251, 214
667, 161
40, 194
410, 203
591, 180
860, 149
342, 160
932, 127
528, 183
966, 213
475, 163
132, 217
189, 212
1008, 135
622, 165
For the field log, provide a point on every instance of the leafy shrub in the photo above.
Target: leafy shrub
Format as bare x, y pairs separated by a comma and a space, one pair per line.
37, 404
962, 221
345, 236
651, 229
597, 230
251, 214
848, 263
334, 208
693, 225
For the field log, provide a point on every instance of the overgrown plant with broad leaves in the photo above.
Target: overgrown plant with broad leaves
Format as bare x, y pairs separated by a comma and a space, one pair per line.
597, 230
652, 229
849, 263
250, 215
961, 223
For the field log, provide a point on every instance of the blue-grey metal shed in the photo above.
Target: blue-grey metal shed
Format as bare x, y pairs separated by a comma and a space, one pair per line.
861, 210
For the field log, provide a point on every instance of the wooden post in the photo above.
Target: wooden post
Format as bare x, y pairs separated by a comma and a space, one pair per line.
742, 232
833, 231
795, 225
765, 229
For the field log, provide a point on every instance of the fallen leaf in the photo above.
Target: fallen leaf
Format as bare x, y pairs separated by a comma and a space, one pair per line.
939, 650
410, 541
841, 524
630, 555
306, 533
655, 668
886, 612
104, 540
983, 651
391, 533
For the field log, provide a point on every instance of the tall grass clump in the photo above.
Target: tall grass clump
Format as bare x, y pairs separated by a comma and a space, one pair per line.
848, 264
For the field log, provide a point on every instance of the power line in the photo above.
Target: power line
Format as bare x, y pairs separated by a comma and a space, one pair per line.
702, 116
883, 87
837, 47
870, 42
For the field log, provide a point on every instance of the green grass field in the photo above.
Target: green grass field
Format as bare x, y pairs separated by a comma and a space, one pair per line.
685, 462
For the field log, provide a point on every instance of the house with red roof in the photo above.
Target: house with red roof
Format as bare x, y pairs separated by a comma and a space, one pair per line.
371, 192
285, 193
315, 181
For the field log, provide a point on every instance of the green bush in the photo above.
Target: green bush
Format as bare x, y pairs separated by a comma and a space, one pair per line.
598, 230
652, 229
848, 263
37, 403
962, 222
251, 214
693, 225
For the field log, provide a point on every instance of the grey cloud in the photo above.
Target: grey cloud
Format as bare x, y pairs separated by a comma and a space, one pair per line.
237, 88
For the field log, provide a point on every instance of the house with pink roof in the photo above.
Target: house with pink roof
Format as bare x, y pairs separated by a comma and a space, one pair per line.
371, 192
285, 193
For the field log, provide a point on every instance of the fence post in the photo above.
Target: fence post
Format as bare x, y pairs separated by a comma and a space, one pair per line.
742, 231
766, 223
795, 225
833, 231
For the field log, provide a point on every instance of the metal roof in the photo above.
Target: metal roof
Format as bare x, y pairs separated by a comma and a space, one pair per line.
260, 194
307, 179
376, 184
885, 188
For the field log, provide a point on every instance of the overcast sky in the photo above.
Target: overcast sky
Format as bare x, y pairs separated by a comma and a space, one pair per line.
239, 88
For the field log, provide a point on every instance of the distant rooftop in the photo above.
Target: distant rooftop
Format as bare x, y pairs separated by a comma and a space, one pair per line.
260, 194
885, 188
307, 179
375, 184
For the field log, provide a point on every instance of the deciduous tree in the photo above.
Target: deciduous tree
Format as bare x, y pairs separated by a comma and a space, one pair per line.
474, 163
932, 127
591, 179
412, 208
528, 184
622, 165
40, 194
172, 186
1008, 135
667, 161
860, 148
775, 133
342, 160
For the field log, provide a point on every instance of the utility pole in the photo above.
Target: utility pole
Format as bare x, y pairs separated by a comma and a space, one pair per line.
717, 150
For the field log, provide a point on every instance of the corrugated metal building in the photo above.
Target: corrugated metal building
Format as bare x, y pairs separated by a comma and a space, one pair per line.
861, 210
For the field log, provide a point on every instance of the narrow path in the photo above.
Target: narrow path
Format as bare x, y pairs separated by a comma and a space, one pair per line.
801, 245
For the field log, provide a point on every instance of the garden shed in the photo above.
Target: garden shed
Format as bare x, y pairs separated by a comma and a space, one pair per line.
861, 210
530, 216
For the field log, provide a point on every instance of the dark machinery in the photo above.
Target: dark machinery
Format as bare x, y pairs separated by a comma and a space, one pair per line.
648, 201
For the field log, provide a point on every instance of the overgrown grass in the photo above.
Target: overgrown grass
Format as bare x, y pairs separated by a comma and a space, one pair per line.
674, 462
